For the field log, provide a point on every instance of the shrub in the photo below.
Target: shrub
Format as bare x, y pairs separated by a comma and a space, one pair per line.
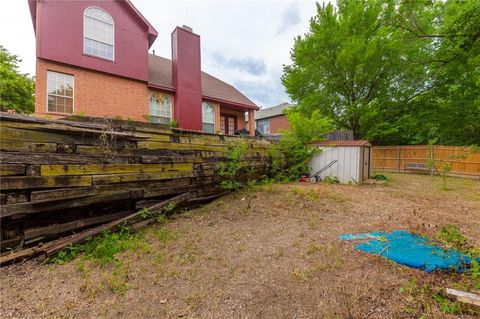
292, 153
235, 166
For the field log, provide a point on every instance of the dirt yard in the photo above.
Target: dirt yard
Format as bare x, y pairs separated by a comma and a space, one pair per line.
280, 258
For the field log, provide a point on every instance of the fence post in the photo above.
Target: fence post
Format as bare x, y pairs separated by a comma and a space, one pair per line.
432, 158
398, 158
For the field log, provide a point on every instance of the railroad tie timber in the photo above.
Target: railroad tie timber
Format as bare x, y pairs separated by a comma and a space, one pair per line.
69, 176
41, 252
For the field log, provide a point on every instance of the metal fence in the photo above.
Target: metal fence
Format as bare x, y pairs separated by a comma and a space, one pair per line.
462, 160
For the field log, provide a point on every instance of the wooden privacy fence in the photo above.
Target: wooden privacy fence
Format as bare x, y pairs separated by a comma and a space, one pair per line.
62, 177
464, 162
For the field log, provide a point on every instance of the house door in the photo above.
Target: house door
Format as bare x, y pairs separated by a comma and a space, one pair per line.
228, 124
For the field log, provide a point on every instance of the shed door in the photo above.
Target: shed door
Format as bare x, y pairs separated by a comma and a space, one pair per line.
366, 163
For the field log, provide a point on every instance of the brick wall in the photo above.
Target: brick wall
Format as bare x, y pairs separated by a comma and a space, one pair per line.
95, 93
278, 123
99, 94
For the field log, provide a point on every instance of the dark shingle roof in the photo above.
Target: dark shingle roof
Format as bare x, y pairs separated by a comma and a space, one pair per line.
160, 75
272, 111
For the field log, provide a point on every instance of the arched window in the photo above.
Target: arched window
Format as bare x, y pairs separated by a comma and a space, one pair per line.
160, 109
98, 33
208, 117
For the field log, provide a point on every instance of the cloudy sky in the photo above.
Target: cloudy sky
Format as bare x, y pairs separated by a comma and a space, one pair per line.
244, 43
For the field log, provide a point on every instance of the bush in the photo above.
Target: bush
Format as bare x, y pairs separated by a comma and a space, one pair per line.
291, 155
236, 165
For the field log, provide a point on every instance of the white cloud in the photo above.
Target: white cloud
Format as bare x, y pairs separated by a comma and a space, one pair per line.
245, 34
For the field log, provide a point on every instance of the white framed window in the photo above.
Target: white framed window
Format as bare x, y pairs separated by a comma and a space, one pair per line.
59, 92
98, 33
160, 109
208, 117
263, 126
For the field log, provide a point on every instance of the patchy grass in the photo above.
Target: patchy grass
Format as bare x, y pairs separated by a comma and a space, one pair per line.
279, 258
105, 248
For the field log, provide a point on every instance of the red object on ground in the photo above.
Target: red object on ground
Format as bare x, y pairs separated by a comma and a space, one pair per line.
304, 179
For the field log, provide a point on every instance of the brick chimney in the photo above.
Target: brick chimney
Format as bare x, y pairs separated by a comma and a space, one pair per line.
186, 77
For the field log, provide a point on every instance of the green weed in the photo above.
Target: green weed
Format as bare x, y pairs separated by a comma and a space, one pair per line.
117, 281
445, 305
144, 213
169, 208
330, 180
306, 193
104, 248
163, 235
235, 166
451, 236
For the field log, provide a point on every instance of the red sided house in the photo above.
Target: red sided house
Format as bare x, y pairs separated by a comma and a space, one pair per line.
92, 59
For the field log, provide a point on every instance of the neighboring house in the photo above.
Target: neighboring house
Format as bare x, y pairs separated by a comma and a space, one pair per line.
92, 59
272, 120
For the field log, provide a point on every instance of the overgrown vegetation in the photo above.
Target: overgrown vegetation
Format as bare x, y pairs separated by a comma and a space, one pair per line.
235, 166
393, 71
107, 139
104, 248
289, 157
451, 237
421, 297
292, 153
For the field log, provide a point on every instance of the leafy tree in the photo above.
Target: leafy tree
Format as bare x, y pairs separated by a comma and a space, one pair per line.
453, 105
292, 153
393, 71
345, 65
16, 89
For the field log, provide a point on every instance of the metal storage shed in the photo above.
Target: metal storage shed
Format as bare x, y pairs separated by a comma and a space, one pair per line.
348, 161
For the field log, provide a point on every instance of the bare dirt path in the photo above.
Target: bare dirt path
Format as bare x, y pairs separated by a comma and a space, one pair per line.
279, 259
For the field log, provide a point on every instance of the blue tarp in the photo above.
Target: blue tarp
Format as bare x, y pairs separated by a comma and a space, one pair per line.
411, 250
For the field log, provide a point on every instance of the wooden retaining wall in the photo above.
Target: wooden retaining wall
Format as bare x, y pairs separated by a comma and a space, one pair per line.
59, 177
463, 162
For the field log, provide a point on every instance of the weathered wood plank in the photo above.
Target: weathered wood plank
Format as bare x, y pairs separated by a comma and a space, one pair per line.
30, 182
14, 134
28, 147
12, 169
170, 159
468, 298
16, 197
72, 130
133, 151
179, 146
29, 207
53, 247
48, 158
55, 170
73, 225
71, 193
12, 243
117, 178
166, 191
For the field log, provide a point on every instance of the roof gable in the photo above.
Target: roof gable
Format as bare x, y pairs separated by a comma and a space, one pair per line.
152, 33
272, 111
